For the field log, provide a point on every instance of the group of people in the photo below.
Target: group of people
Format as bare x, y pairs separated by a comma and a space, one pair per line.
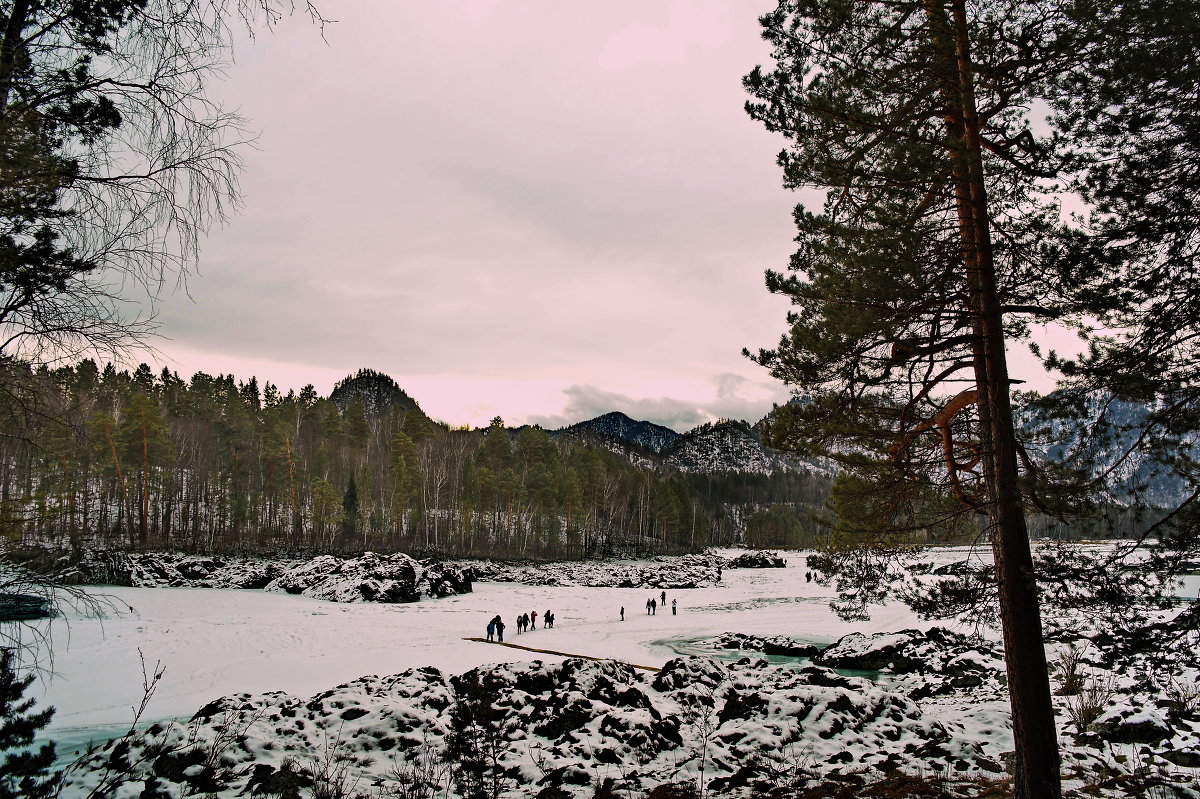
525, 622
653, 603
528, 621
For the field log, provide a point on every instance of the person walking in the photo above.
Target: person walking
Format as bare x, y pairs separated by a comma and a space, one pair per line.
499, 630
547, 620
664, 599
551, 615
533, 620
622, 613
648, 601
491, 630
673, 607
653, 607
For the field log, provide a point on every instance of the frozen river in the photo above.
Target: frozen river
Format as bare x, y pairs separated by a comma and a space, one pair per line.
211, 643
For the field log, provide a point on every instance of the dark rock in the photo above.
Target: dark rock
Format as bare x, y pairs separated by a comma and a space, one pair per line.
572, 716
757, 560
173, 765
826, 678
282, 782
742, 705
1187, 758
674, 790
789, 648
24, 607
554, 792
1131, 728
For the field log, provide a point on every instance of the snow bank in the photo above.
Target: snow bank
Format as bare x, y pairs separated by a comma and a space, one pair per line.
569, 725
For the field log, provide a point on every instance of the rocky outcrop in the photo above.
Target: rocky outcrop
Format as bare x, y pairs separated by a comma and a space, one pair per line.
370, 577
757, 559
948, 660
664, 573
561, 728
774, 645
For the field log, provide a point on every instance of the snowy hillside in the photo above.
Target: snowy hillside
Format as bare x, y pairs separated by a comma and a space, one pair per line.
1081, 442
619, 427
726, 446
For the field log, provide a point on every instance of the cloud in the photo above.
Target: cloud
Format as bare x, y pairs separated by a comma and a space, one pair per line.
467, 194
735, 397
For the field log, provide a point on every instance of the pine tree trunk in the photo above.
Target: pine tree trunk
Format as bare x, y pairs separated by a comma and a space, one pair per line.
17, 20
1034, 735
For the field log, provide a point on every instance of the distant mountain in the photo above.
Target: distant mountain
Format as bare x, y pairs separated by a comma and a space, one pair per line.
725, 446
619, 427
377, 392
1076, 441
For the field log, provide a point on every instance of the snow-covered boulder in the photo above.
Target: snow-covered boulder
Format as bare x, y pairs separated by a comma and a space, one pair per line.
967, 661
757, 560
1126, 724
564, 726
774, 645
661, 573
368, 578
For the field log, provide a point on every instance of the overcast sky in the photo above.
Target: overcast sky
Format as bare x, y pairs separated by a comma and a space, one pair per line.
537, 209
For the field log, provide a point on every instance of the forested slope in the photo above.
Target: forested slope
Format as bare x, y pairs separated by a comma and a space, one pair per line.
143, 461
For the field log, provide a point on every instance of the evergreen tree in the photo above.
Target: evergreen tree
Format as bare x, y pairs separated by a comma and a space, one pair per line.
145, 444
1131, 101
25, 772
350, 512
912, 117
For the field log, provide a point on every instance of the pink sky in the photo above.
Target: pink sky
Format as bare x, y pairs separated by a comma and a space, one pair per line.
539, 210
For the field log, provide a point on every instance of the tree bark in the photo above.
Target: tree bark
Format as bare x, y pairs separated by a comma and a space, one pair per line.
1034, 735
16, 22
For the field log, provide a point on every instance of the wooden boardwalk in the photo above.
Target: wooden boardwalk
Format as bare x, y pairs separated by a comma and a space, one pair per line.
560, 654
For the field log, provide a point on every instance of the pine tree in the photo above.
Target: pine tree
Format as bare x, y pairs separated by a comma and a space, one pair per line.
350, 512
911, 116
25, 773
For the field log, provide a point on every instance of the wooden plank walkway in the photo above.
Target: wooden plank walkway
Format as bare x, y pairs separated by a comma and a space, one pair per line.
560, 654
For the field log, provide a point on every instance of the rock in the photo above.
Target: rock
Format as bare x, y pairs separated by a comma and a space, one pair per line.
370, 577
97, 567
567, 725
1129, 725
938, 653
775, 645
24, 607
759, 559
283, 782
1187, 758
860, 652
663, 573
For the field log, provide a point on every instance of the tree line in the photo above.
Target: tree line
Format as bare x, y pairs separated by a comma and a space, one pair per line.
140, 460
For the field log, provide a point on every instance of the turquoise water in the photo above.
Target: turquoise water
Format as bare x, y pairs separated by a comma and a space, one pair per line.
693, 646
71, 742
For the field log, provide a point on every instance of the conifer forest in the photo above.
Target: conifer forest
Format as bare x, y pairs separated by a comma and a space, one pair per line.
134, 460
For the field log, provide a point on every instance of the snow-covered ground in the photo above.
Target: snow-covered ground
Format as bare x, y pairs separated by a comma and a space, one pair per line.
217, 642
951, 713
